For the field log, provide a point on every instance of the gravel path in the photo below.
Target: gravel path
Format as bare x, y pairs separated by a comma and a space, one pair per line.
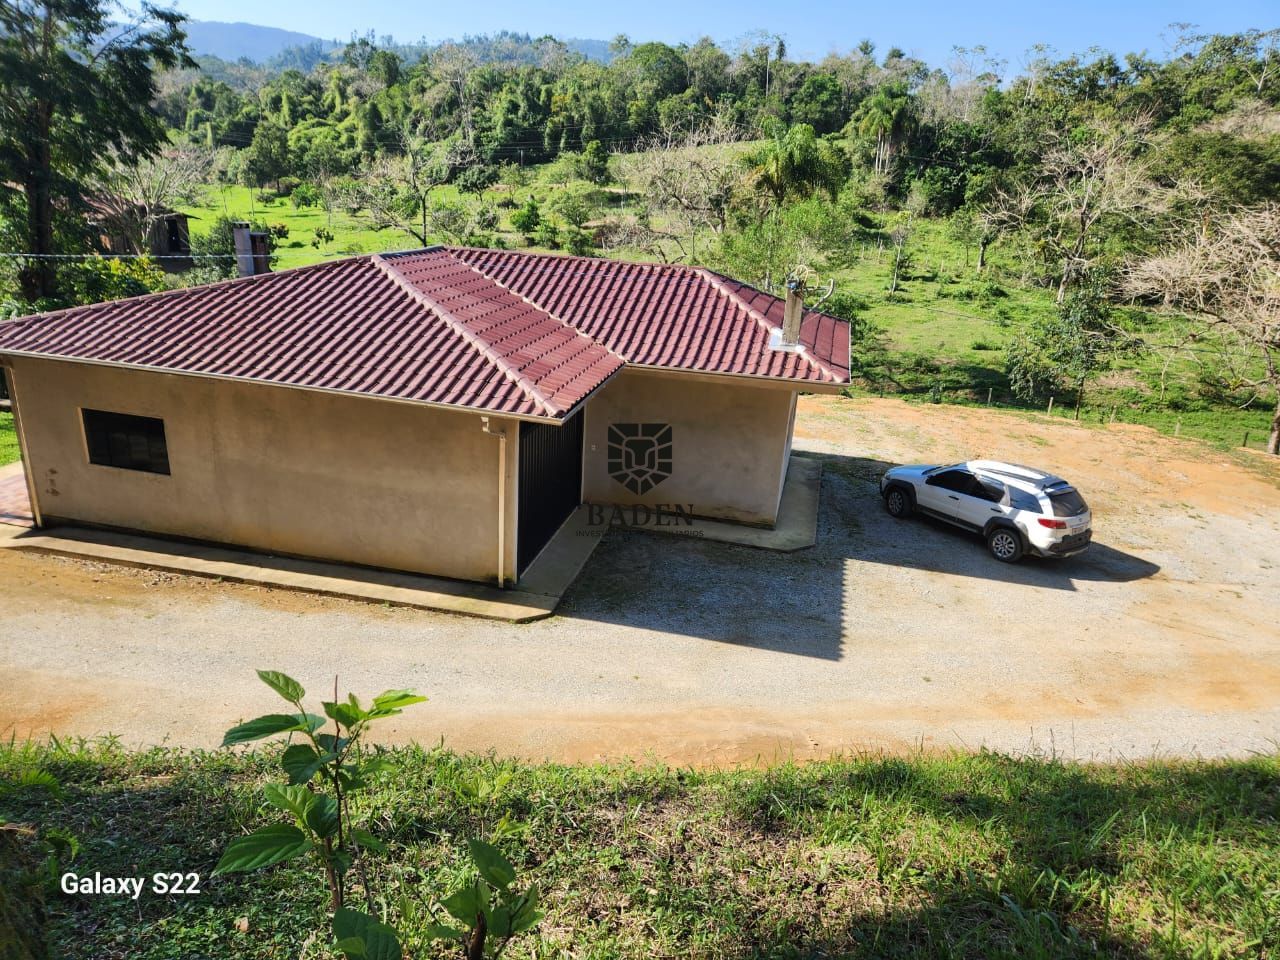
886, 636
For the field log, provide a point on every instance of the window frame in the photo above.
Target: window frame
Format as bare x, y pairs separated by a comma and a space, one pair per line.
154, 467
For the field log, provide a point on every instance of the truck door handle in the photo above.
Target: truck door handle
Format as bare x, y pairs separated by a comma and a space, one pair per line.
996, 510
953, 496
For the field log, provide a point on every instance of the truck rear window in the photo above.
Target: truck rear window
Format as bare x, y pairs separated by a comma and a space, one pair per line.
1067, 503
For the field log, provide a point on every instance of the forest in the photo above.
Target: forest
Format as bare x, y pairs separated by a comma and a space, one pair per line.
1100, 229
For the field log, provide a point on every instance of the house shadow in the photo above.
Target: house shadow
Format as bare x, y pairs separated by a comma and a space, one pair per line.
799, 603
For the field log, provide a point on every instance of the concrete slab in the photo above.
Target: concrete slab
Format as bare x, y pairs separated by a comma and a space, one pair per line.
333, 579
562, 559
797, 526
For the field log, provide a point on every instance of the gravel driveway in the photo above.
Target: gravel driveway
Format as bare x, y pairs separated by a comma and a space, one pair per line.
1162, 639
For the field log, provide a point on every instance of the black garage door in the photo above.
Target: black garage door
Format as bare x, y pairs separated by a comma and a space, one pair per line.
550, 483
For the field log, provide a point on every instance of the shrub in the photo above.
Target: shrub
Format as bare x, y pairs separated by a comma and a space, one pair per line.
305, 195
579, 242
527, 218
547, 235
94, 279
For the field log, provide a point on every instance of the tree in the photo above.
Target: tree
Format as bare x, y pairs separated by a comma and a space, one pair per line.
1226, 276
1089, 186
528, 218
133, 197
811, 236
76, 84
1062, 352
267, 158
883, 116
573, 205
395, 191
476, 179
794, 162
818, 103
685, 182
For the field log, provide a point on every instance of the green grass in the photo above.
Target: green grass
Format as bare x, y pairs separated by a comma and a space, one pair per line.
353, 235
946, 330
350, 235
954, 856
8, 439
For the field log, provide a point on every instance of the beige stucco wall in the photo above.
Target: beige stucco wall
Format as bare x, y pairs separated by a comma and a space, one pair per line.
730, 438
276, 469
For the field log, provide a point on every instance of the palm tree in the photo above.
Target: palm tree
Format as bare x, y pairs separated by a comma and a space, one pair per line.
883, 115
796, 162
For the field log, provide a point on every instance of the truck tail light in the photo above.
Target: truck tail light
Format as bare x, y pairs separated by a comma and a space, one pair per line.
1051, 523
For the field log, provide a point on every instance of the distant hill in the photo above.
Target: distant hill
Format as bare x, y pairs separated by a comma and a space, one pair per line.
231, 41
278, 49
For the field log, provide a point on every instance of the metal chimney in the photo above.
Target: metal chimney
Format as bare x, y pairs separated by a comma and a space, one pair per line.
792, 313
240, 233
253, 252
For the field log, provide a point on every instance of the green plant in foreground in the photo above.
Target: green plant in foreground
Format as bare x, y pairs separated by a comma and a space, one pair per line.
323, 773
489, 909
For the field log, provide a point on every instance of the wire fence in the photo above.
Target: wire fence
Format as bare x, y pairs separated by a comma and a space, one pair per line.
1099, 410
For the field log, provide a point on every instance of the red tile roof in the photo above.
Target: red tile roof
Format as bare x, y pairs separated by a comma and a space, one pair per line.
515, 333
669, 315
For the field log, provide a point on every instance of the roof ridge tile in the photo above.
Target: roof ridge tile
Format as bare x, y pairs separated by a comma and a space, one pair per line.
482, 346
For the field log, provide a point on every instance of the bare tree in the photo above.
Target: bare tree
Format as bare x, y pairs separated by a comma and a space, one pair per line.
132, 198
685, 181
395, 191
1227, 275
1084, 186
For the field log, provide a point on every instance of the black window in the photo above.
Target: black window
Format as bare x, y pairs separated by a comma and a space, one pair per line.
992, 491
961, 481
1024, 500
4, 385
1067, 503
123, 440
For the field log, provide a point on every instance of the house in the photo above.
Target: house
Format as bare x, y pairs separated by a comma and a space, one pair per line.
168, 236
440, 411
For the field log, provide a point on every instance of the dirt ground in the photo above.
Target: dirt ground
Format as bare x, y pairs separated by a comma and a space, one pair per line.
1163, 639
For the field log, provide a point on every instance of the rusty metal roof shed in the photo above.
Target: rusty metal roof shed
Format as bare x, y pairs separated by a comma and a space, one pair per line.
526, 335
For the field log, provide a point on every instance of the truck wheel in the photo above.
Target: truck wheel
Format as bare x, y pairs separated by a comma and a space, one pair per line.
897, 503
1005, 544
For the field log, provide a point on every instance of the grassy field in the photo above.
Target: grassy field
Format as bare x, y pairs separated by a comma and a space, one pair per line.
955, 856
8, 439
946, 329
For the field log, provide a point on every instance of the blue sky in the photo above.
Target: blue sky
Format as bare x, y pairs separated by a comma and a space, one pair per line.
812, 29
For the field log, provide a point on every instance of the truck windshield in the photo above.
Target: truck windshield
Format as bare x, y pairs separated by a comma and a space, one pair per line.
1067, 503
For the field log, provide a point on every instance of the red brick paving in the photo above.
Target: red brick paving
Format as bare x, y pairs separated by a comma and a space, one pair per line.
15, 505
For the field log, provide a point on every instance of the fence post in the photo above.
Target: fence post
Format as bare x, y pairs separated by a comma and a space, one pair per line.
1246, 439
1177, 427
1050, 406
989, 391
